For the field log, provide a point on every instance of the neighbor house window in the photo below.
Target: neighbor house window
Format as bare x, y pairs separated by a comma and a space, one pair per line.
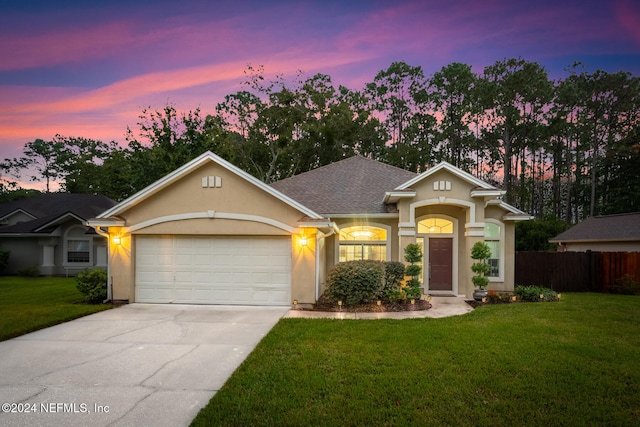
78, 251
363, 242
493, 238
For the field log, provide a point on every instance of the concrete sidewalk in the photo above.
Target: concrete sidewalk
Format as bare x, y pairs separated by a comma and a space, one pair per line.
440, 307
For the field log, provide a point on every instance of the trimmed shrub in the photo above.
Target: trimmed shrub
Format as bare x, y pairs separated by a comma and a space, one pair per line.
532, 293
394, 275
4, 259
413, 255
355, 282
93, 285
626, 285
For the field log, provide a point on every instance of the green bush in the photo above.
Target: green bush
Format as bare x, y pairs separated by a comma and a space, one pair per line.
626, 285
394, 275
93, 285
355, 282
532, 293
4, 259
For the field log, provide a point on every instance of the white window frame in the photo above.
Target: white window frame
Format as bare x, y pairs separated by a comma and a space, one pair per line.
500, 277
386, 243
67, 238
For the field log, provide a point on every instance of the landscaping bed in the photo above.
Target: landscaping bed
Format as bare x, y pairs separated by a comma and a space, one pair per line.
325, 304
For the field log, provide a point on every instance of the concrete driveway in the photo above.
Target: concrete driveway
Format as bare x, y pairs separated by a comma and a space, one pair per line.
140, 364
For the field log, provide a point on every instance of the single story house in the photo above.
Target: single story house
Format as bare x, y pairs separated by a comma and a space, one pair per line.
607, 233
209, 233
48, 232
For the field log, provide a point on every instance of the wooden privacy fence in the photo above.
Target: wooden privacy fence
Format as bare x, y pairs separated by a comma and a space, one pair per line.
576, 271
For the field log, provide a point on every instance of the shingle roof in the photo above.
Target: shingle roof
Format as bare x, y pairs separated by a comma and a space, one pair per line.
355, 185
603, 228
50, 206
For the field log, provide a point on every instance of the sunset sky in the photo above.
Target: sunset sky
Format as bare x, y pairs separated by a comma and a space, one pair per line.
85, 68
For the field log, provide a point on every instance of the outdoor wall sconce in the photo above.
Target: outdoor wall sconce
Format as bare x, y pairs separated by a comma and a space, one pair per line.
303, 241
116, 240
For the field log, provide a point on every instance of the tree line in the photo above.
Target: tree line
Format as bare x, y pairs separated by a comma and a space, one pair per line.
566, 148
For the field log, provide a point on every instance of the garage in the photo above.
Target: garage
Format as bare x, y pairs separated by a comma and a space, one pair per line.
213, 270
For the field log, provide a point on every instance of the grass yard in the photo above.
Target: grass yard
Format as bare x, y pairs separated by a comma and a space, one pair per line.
575, 362
31, 303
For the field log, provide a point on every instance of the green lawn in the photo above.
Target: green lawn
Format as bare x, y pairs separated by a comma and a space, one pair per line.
575, 362
31, 303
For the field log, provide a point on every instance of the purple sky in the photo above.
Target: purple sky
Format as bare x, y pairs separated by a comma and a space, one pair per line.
83, 68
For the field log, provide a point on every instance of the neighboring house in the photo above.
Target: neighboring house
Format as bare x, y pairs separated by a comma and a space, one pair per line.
607, 233
210, 233
48, 232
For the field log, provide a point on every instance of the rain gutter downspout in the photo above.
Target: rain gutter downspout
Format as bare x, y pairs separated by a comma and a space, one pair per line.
318, 238
109, 283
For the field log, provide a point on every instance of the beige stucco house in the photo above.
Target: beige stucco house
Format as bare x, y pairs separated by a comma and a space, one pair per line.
209, 233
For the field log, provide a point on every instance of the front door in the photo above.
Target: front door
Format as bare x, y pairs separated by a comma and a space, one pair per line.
440, 264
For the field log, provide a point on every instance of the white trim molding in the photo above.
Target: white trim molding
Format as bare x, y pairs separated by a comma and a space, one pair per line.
213, 215
443, 201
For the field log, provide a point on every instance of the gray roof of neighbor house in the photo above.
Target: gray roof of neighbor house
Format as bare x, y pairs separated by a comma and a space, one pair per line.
49, 207
603, 228
355, 185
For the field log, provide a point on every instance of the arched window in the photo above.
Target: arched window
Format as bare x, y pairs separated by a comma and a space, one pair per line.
435, 226
363, 242
493, 232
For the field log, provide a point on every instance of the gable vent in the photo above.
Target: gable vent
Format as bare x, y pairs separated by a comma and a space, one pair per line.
211, 182
442, 185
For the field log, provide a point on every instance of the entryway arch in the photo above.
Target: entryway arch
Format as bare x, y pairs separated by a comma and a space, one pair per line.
438, 236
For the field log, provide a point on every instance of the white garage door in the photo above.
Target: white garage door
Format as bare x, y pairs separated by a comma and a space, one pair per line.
213, 270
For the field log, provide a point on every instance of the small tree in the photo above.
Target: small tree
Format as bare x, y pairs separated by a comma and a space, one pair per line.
413, 255
480, 252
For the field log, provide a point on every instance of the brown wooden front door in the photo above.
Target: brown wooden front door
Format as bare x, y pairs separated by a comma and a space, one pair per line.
440, 264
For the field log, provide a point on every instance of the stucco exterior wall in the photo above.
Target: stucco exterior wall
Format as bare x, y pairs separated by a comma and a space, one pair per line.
253, 212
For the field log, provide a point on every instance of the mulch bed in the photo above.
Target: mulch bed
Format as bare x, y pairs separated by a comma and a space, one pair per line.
324, 304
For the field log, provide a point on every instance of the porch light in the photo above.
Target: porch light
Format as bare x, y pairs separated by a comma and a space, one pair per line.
303, 241
116, 239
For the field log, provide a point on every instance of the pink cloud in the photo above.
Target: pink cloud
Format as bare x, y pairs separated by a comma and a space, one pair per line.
64, 46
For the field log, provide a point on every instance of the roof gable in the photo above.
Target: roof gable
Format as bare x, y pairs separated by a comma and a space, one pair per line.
191, 166
355, 185
53, 208
619, 227
476, 182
